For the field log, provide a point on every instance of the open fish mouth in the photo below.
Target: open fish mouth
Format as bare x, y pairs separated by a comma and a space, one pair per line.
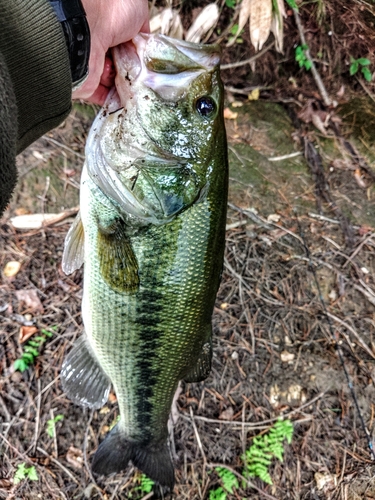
136, 152
165, 66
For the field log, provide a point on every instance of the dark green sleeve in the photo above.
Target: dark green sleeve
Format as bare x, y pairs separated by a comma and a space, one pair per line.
35, 62
33, 45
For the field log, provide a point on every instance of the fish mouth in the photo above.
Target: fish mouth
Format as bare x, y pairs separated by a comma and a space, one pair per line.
165, 66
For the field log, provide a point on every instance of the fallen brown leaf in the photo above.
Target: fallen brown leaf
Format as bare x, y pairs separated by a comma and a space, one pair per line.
5, 483
26, 332
226, 414
74, 457
30, 299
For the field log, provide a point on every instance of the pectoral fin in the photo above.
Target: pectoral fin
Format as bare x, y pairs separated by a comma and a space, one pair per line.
74, 247
118, 263
202, 368
82, 378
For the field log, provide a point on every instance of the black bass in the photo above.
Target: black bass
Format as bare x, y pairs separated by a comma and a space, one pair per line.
151, 235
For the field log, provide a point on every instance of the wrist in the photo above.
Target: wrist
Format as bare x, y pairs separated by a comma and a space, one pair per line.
72, 17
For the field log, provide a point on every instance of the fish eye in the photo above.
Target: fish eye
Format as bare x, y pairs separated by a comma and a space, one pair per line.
205, 106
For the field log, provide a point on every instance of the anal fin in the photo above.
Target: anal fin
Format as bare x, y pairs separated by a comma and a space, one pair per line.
82, 378
73, 247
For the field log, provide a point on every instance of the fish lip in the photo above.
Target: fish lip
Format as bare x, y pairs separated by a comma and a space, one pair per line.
206, 56
153, 60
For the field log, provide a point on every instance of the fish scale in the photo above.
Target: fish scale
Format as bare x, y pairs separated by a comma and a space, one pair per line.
142, 322
153, 248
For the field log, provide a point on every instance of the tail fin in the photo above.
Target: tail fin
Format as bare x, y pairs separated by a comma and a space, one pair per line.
116, 450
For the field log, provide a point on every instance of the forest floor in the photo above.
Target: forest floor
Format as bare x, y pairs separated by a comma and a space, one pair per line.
297, 294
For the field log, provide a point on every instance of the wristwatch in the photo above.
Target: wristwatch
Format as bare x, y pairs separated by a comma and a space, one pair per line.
72, 17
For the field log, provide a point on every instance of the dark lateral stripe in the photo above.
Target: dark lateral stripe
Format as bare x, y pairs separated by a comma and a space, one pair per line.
149, 311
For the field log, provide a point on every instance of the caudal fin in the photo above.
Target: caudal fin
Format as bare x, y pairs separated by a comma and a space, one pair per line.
115, 452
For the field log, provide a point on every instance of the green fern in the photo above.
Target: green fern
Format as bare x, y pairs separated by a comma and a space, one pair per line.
24, 472
228, 478
146, 484
218, 494
264, 449
32, 350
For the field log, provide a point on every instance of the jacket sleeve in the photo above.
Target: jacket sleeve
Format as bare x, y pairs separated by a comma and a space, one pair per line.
35, 80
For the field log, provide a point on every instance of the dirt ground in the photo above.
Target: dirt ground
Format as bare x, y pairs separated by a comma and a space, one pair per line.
297, 290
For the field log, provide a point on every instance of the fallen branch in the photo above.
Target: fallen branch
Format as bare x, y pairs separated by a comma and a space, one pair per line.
319, 82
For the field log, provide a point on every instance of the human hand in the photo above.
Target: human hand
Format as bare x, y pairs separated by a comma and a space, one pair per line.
111, 23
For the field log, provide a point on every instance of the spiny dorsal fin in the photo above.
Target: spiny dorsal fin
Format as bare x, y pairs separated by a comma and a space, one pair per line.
74, 247
118, 264
82, 378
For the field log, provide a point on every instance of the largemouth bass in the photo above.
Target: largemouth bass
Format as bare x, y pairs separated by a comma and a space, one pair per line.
151, 236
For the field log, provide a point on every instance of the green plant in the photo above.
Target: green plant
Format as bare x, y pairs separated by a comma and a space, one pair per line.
51, 425
218, 494
257, 459
114, 422
229, 481
24, 472
228, 478
259, 456
146, 484
362, 63
301, 58
292, 4
233, 32
230, 3
32, 350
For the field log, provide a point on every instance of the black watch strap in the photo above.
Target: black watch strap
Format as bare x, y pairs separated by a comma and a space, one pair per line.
72, 17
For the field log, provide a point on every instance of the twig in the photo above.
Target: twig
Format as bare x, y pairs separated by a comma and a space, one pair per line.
57, 143
323, 92
149, 495
358, 249
248, 61
21, 455
5, 410
323, 218
56, 462
264, 424
37, 418
370, 94
54, 433
285, 157
198, 438
245, 91
354, 332
88, 469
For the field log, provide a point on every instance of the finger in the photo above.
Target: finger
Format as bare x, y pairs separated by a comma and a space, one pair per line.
146, 27
99, 96
108, 76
